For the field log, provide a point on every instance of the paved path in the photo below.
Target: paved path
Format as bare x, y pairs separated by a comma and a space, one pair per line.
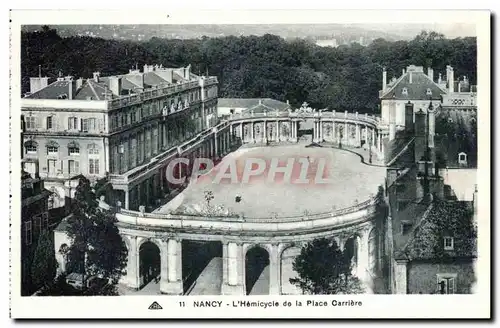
261, 286
209, 281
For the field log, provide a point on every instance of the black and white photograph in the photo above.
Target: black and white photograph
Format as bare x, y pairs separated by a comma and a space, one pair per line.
241, 166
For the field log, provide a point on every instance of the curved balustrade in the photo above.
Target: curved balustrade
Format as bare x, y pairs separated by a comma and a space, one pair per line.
323, 115
341, 217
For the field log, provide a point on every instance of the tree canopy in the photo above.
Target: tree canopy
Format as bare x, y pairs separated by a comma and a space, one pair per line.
324, 269
97, 248
342, 78
44, 265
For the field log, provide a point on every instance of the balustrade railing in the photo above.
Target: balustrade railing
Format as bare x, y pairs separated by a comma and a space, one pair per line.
323, 115
243, 219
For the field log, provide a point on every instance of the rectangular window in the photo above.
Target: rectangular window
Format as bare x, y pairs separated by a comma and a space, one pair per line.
51, 150
85, 125
448, 243
45, 219
73, 167
94, 166
49, 122
30, 122
446, 283
38, 223
51, 165
72, 123
93, 151
74, 151
28, 233
31, 149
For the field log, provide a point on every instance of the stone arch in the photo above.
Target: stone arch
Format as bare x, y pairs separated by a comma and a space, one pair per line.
286, 257
149, 261
351, 246
257, 279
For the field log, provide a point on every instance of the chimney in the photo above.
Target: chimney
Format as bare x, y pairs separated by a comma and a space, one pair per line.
115, 85
439, 79
409, 109
96, 77
146, 68
411, 77
450, 78
404, 72
420, 138
430, 73
432, 127
288, 102
187, 72
38, 83
384, 80
71, 89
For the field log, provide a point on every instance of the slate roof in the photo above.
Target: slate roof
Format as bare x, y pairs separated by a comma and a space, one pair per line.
444, 219
250, 103
52, 91
417, 89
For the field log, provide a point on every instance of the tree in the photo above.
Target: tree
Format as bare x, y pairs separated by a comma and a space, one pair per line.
97, 248
44, 265
324, 269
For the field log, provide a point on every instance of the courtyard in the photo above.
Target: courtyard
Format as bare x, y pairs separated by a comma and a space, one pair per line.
349, 181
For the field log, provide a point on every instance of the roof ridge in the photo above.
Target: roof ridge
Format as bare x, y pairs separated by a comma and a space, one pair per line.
395, 84
93, 90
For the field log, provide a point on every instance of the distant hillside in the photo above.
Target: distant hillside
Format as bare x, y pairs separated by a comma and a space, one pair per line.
344, 78
145, 32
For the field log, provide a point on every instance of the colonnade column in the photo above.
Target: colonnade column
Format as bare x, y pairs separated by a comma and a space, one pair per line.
274, 270
277, 131
315, 131
264, 130
252, 137
216, 146
233, 266
131, 279
363, 261
373, 137
334, 132
358, 136
241, 131
171, 278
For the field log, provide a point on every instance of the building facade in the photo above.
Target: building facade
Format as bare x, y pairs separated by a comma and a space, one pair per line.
113, 126
418, 87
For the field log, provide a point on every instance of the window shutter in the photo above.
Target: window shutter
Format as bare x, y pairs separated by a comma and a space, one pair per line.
69, 123
451, 286
101, 125
81, 124
77, 167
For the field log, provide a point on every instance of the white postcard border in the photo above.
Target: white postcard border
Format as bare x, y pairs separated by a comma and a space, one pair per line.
374, 306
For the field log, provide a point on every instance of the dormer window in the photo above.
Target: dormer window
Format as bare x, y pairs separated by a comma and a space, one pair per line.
63, 96
448, 243
31, 147
429, 92
405, 92
462, 158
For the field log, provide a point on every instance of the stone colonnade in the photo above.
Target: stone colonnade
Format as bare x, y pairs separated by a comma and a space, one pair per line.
233, 261
277, 129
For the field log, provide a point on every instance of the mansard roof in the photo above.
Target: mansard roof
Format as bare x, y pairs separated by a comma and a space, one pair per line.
416, 90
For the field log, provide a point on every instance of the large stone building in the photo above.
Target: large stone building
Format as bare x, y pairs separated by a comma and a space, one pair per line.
431, 236
115, 127
418, 87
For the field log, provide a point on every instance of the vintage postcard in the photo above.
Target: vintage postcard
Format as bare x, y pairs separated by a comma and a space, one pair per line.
239, 164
